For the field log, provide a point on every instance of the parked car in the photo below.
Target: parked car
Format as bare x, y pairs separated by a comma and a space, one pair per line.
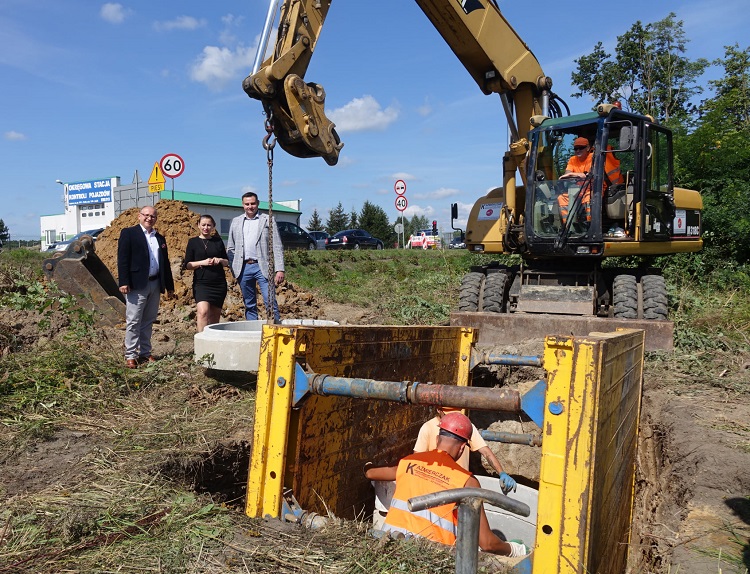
63, 245
457, 243
294, 237
353, 239
320, 238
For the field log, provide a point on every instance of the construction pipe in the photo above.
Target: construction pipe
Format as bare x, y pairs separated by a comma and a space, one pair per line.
469, 504
484, 358
488, 399
511, 438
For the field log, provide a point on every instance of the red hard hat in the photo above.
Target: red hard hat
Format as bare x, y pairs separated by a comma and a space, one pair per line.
458, 424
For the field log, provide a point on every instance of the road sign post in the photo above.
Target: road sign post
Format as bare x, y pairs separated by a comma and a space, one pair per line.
172, 166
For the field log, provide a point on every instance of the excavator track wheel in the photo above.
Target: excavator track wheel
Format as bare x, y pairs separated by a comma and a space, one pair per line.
655, 303
470, 292
493, 296
625, 297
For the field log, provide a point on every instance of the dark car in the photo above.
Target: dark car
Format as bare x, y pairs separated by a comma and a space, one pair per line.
457, 243
320, 238
294, 237
353, 239
63, 245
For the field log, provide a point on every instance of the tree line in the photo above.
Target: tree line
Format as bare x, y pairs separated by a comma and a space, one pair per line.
372, 218
650, 73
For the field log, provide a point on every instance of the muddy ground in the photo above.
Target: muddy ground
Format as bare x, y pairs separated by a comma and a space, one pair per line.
692, 511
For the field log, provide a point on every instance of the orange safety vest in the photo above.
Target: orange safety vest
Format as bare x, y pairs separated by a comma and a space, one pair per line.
577, 166
425, 473
612, 174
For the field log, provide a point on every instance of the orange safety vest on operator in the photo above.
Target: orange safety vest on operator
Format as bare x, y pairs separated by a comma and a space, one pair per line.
424, 473
612, 174
577, 166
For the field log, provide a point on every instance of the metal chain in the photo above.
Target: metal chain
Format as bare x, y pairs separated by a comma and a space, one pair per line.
269, 142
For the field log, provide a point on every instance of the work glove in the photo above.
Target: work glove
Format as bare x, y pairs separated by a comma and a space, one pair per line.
507, 483
518, 548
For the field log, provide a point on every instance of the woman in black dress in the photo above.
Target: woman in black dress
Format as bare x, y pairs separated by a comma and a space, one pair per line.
207, 257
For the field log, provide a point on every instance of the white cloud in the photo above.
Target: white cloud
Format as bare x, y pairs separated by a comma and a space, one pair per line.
363, 114
114, 13
441, 193
425, 109
413, 210
216, 66
180, 23
403, 175
15, 136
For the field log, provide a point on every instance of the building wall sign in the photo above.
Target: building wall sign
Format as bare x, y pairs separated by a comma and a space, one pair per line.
96, 191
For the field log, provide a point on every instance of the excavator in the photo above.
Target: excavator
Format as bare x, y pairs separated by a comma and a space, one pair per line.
566, 230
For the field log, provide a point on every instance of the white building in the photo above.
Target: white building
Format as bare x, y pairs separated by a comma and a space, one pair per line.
93, 204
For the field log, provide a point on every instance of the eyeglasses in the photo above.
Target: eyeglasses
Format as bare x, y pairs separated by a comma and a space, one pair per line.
148, 216
579, 147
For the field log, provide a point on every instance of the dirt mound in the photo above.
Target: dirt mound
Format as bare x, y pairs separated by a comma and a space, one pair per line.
177, 224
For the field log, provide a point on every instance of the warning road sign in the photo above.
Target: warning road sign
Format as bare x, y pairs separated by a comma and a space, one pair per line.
156, 180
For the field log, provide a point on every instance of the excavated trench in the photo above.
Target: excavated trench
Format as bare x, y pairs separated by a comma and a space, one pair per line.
222, 472
660, 499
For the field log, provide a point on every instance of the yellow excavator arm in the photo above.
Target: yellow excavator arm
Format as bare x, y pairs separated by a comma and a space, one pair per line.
486, 44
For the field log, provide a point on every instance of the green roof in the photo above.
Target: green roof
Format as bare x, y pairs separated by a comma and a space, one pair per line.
566, 120
204, 199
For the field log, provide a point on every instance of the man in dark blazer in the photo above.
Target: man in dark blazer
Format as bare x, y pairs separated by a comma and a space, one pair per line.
143, 274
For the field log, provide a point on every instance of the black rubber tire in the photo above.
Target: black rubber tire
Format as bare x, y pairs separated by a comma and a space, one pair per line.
625, 297
655, 303
493, 297
468, 294
379, 246
356, 246
311, 246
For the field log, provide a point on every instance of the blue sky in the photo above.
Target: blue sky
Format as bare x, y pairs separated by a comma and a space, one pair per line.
92, 90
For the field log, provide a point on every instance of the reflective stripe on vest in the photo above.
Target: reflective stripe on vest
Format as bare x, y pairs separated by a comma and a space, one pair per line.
425, 473
432, 521
563, 201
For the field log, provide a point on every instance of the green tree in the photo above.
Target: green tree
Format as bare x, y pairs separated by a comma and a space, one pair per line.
315, 223
416, 223
338, 220
715, 159
4, 232
649, 72
354, 220
374, 219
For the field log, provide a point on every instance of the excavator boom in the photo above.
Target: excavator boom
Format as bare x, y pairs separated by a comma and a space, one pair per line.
485, 43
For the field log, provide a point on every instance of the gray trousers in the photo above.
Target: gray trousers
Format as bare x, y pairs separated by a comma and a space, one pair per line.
141, 309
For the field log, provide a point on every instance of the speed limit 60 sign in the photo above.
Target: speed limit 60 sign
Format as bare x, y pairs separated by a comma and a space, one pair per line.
172, 165
401, 202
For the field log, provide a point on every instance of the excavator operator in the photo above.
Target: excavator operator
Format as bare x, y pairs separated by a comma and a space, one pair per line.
579, 166
434, 471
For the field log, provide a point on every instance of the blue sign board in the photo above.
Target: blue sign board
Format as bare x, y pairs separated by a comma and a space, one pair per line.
96, 191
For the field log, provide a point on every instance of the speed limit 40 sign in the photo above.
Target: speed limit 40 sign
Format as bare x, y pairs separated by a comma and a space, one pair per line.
172, 165
401, 202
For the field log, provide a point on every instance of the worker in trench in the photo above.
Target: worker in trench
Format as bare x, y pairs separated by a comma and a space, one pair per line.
435, 471
427, 440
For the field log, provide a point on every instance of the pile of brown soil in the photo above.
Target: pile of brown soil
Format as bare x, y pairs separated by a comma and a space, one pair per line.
178, 224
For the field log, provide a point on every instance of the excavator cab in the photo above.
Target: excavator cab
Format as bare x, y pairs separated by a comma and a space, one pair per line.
627, 196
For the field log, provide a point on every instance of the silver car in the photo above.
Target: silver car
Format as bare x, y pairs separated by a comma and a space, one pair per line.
320, 238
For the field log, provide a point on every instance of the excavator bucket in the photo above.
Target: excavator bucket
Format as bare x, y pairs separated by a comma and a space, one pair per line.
79, 271
494, 328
